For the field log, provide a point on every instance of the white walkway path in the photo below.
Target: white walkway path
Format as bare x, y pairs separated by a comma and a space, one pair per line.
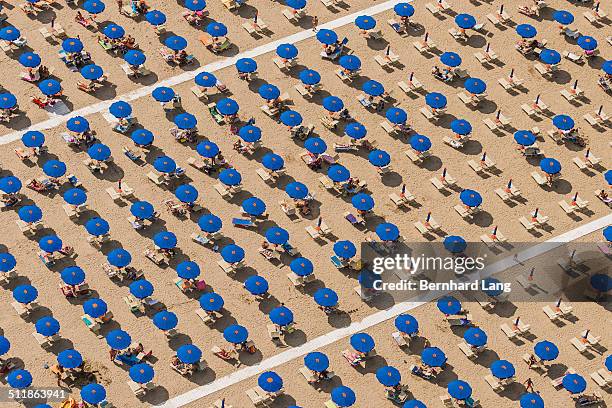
374, 319
188, 76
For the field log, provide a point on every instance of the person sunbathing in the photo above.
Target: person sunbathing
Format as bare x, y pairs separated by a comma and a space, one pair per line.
265, 249
302, 206
10, 200
605, 197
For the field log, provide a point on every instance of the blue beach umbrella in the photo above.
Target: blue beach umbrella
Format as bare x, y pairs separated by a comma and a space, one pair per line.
186, 193
93, 393
379, 158
205, 79
362, 342
608, 177
396, 116
207, 149
475, 336
95, 307
326, 297
316, 361
455, 244
92, 72
216, 29
120, 109
574, 383
10, 184
188, 270
195, 5
362, 202
277, 235
492, 283
77, 124
25, 294
315, 145
94, 6
326, 36
607, 67
470, 198
50, 87
563, 17
475, 85
7, 101
550, 57
365, 22
461, 127
563, 122
406, 323
388, 376
155, 17
189, 354
403, 9
550, 166
119, 258
7, 262
435, 100
73, 275
281, 316
135, 57
414, 404
185, 121
531, 400
47, 326
69, 359
333, 104
142, 373
235, 334
29, 59
210, 223
343, 396
228, 106
19, 379
176, 43
287, 51
524, 137
459, 389
114, 31
165, 320
33, 138
165, 240
291, 118
163, 94
420, 143
142, 209
50, 243
256, 285
141, 289
296, 4
449, 305
587, 43
72, 45
502, 369
99, 151
75, 196
269, 91
254, 206
608, 363
232, 253
164, 164
211, 302
387, 231
601, 282
250, 133
450, 59
465, 21
118, 339
338, 173
310, 77
350, 62
368, 279
355, 130
301, 266
246, 65
10, 33
269, 381
526, 30
373, 88
546, 350
230, 177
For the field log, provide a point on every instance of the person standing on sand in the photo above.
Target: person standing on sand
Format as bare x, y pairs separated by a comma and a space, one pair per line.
315, 23
528, 385
120, 5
